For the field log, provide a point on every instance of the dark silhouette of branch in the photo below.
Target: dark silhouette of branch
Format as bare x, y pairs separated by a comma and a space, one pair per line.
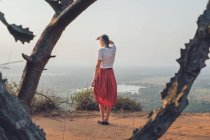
18, 32
37, 61
59, 5
175, 94
15, 121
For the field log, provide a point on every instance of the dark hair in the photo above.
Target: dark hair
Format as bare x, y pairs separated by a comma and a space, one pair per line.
105, 38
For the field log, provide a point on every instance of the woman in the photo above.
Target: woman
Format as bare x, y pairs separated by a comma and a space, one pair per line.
104, 83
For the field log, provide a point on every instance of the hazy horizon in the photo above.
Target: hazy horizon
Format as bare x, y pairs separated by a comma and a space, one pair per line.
142, 83
146, 32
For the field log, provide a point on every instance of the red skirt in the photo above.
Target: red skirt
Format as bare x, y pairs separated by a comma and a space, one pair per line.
105, 88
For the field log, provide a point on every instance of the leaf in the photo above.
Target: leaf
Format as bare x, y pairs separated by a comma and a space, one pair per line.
20, 33
59, 5
2, 18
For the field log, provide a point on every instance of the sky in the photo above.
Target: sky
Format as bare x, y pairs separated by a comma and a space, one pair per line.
146, 32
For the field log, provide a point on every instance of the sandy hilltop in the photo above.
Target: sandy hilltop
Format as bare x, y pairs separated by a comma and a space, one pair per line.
81, 125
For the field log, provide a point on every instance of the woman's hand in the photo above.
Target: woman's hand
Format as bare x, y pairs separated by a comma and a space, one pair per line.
98, 38
111, 42
93, 83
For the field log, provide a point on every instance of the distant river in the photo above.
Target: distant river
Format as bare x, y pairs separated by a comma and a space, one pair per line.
63, 81
128, 88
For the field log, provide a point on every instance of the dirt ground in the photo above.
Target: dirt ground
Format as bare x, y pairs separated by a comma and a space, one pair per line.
81, 125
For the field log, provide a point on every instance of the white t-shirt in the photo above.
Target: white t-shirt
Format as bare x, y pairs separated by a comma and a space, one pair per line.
107, 55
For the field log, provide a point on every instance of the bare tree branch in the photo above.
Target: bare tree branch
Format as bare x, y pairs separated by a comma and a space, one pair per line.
15, 121
175, 94
59, 5
42, 51
13, 62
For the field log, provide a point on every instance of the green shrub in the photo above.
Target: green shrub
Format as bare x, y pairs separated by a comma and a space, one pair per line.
126, 103
81, 100
84, 100
12, 88
42, 101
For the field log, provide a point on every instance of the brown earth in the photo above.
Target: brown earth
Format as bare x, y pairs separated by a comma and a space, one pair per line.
81, 125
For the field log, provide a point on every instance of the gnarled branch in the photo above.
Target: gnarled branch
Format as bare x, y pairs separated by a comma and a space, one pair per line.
59, 5
15, 121
44, 47
175, 94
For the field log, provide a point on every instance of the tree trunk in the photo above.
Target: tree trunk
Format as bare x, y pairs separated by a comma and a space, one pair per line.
15, 121
42, 51
174, 96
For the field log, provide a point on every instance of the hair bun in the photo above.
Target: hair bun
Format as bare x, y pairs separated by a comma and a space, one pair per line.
105, 38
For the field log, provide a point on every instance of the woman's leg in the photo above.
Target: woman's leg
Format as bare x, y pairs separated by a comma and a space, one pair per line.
102, 111
108, 111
